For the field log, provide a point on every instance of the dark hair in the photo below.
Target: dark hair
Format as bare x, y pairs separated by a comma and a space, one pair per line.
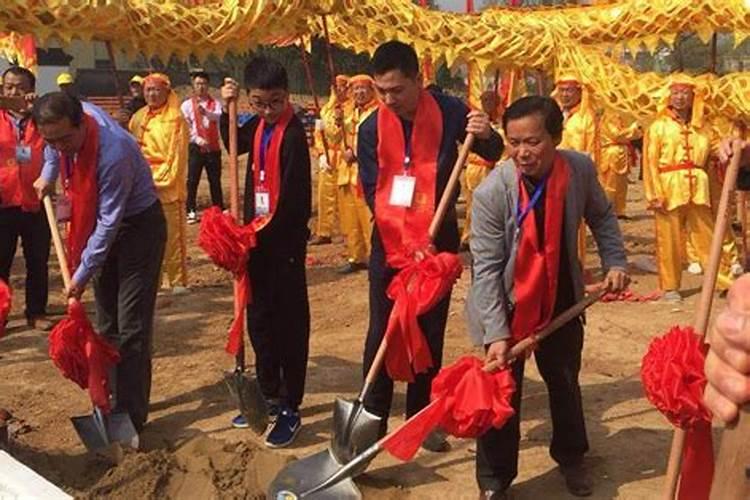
266, 74
200, 74
56, 106
395, 55
19, 71
546, 107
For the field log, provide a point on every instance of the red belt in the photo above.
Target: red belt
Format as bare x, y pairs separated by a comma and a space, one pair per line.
679, 166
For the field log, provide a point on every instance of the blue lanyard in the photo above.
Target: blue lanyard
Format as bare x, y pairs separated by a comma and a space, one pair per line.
265, 140
522, 213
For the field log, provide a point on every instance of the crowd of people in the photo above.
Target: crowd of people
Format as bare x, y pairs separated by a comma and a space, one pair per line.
541, 172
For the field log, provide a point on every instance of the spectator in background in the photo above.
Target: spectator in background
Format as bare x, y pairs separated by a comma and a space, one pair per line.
202, 113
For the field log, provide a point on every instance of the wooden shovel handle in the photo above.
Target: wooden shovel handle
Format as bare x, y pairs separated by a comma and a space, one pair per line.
57, 240
437, 220
234, 176
703, 312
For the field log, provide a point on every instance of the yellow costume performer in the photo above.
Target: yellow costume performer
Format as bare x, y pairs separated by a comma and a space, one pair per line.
355, 216
162, 134
330, 124
617, 157
675, 155
580, 130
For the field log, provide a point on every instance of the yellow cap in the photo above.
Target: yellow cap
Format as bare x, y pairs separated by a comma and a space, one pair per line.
137, 79
64, 78
366, 79
158, 78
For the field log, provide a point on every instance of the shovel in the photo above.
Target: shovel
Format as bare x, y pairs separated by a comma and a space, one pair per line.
244, 389
100, 432
355, 428
321, 477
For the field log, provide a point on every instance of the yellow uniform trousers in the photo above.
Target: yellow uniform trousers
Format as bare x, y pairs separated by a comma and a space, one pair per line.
616, 188
473, 176
697, 221
174, 265
326, 197
356, 223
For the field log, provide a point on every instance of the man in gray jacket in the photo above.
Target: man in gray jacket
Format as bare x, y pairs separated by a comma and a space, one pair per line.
525, 271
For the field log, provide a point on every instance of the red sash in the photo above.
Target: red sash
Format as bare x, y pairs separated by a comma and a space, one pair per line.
272, 166
82, 190
17, 180
536, 269
405, 230
210, 134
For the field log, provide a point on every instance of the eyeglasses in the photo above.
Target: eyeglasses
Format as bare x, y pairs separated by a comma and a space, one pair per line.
274, 105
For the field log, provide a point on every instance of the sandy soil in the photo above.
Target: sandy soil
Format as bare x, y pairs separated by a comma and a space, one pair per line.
191, 451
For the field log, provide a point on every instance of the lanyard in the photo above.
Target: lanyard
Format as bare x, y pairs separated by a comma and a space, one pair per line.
265, 140
407, 128
521, 214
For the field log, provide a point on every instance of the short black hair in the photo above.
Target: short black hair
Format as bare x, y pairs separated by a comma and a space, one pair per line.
544, 106
200, 74
20, 71
266, 74
56, 106
395, 55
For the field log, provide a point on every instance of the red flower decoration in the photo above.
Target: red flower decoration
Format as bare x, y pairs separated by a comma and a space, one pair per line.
224, 241
5, 299
672, 375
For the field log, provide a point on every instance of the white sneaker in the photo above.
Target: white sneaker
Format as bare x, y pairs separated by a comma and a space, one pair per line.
672, 296
180, 290
192, 217
695, 268
736, 270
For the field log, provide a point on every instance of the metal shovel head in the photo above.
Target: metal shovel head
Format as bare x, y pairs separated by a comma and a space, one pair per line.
250, 401
304, 474
354, 429
104, 434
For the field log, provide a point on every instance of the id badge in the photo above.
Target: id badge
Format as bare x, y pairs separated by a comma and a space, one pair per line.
23, 153
63, 209
262, 203
402, 191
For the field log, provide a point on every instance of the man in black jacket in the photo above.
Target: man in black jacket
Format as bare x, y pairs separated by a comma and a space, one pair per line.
278, 204
406, 149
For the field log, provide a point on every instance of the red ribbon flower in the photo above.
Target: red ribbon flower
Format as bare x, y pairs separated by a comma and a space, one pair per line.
228, 245
673, 378
466, 402
5, 301
82, 355
415, 290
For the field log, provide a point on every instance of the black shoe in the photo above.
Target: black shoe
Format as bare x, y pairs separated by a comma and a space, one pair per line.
436, 442
577, 480
351, 267
494, 495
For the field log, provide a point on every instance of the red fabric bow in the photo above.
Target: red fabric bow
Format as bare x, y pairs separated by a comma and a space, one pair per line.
5, 300
466, 402
673, 378
415, 290
82, 355
228, 245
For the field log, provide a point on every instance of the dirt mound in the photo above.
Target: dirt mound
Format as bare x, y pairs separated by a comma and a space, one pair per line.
201, 468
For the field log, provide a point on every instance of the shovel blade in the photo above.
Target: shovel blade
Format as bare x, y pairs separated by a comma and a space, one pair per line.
249, 399
304, 474
104, 434
354, 429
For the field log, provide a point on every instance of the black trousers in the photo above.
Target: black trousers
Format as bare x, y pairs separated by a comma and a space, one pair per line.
558, 358
125, 291
278, 322
33, 230
379, 399
197, 161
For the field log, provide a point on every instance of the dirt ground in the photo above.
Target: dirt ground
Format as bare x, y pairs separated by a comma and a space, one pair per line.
191, 451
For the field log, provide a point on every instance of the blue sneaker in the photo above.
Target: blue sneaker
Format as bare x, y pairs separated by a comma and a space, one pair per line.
240, 422
285, 429
273, 413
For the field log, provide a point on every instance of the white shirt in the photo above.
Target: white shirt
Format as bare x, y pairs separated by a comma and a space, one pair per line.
208, 116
